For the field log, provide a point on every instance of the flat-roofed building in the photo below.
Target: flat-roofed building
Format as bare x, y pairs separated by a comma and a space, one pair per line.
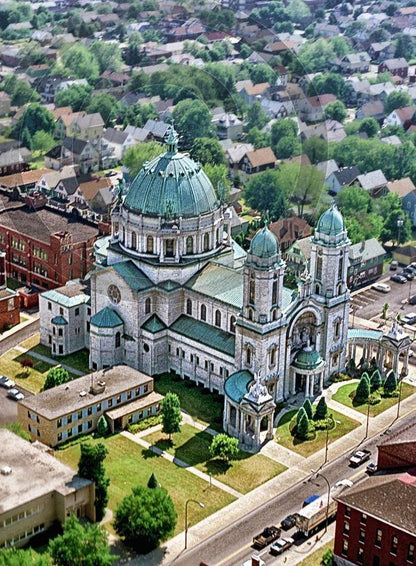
36, 489
69, 410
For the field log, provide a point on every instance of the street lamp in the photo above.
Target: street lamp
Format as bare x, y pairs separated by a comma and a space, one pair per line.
368, 420
327, 440
186, 517
317, 473
400, 398
400, 223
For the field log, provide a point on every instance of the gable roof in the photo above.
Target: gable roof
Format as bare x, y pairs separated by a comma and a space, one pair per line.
89, 121
401, 187
115, 136
259, 157
154, 324
372, 180
132, 275
220, 283
346, 175
205, 334
91, 188
320, 100
405, 113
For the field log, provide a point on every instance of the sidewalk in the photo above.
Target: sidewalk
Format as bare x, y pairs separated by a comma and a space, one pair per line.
49, 360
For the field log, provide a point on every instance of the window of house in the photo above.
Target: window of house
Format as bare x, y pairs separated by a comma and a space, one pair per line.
79, 415
346, 528
250, 314
118, 399
363, 519
148, 305
248, 356
344, 547
274, 291
60, 349
361, 538
348, 512
188, 306
251, 292
217, 318
360, 555
61, 311
203, 312
134, 240
379, 534
272, 356
340, 265
59, 423
170, 248
206, 242
77, 311
232, 324
49, 306
394, 544
319, 268
117, 339
411, 552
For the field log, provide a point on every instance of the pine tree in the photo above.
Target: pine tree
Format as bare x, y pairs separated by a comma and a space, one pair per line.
307, 405
362, 392
302, 428
321, 411
375, 380
390, 385
299, 415
153, 483
102, 426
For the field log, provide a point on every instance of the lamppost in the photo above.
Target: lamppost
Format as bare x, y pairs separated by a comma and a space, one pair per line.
186, 517
400, 398
327, 440
368, 420
317, 473
400, 223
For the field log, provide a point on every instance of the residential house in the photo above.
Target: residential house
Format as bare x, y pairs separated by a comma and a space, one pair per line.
4, 104
330, 130
392, 140
251, 94
87, 127
38, 490
380, 51
64, 192
23, 181
257, 161
64, 121
278, 47
406, 191
327, 167
138, 134
342, 178
235, 155
406, 254
94, 199
371, 110
374, 182
118, 141
380, 91
312, 108
228, 126
276, 109
288, 230
397, 67
157, 130
400, 117
323, 29
355, 63
14, 161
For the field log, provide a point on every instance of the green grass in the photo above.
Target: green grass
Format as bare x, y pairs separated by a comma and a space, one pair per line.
78, 360
128, 465
203, 406
192, 446
343, 395
315, 558
343, 425
23, 319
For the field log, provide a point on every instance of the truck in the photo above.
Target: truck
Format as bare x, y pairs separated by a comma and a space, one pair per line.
359, 458
312, 516
268, 535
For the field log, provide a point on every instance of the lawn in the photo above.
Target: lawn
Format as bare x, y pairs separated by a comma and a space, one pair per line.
32, 380
315, 559
192, 446
343, 425
203, 406
344, 392
78, 360
128, 464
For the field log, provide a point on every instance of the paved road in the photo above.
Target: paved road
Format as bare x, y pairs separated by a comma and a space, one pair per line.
231, 546
19, 336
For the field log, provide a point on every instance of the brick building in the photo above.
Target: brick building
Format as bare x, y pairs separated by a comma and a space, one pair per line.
376, 519
44, 248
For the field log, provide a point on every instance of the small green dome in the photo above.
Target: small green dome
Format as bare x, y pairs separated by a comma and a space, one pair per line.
171, 185
331, 223
307, 359
264, 244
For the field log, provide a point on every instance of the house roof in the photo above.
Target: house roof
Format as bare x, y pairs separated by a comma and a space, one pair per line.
321, 100
259, 157
364, 251
405, 113
154, 324
395, 63
237, 152
74, 145
106, 318
157, 128
290, 229
91, 188
372, 180
132, 275
401, 187
259, 88
327, 167
89, 121
205, 334
74, 293
392, 140
115, 136
23, 178
375, 108
346, 175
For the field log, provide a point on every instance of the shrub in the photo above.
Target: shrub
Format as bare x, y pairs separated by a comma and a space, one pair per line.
375, 380
307, 405
321, 410
300, 414
374, 398
102, 427
390, 385
363, 389
302, 428
351, 368
323, 424
224, 447
144, 424
328, 558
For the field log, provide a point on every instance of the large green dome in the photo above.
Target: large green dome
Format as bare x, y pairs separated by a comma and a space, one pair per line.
331, 223
264, 244
171, 185
308, 359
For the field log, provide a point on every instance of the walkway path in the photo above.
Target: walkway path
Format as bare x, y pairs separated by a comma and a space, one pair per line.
181, 463
48, 360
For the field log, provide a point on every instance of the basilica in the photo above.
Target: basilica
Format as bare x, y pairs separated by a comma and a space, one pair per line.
172, 292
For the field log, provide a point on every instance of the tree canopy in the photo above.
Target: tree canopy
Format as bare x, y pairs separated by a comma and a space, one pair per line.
22, 557
207, 150
192, 120
136, 155
224, 447
56, 376
171, 414
268, 191
91, 466
35, 117
77, 96
81, 62
397, 99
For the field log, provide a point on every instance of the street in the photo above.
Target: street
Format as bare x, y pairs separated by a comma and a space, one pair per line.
232, 546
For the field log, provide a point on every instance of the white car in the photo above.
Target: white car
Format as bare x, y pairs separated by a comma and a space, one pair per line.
344, 483
382, 287
15, 394
6, 382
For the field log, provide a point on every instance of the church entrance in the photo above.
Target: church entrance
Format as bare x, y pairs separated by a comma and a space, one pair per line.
169, 248
300, 383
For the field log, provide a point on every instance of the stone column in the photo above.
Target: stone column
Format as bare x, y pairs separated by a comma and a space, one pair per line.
318, 341
270, 426
308, 385
312, 385
321, 381
396, 364
293, 377
257, 430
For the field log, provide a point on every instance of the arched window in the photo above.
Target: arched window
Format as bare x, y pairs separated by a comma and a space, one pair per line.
189, 245
339, 289
337, 328
203, 312
274, 314
117, 340
232, 324
218, 318
251, 292
274, 290
206, 242
340, 266
149, 244
134, 240
250, 314
272, 356
317, 289
148, 305
319, 268
189, 306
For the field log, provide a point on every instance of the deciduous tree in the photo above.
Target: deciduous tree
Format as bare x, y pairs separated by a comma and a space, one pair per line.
136, 155
224, 447
171, 414
208, 150
192, 120
56, 376
91, 466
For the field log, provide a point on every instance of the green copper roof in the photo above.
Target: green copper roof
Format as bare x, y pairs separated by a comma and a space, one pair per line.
132, 275
264, 244
106, 318
219, 282
308, 359
331, 222
361, 333
154, 324
169, 285
59, 320
236, 386
57, 297
205, 334
171, 185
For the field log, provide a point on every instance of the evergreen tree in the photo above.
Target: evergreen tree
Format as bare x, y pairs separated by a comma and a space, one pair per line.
102, 427
91, 467
307, 405
351, 368
171, 414
390, 385
362, 392
375, 380
321, 411
153, 483
300, 415
302, 428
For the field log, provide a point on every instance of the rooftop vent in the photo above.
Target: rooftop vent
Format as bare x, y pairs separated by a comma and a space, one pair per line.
82, 393
6, 471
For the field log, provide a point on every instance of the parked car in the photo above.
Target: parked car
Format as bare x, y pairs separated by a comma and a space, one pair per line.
359, 457
288, 522
398, 278
6, 382
409, 276
15, 394
281, 545
344, 483
394, 265
371, 468
268, 535
412, 300
382, 287
410, 269
409, 318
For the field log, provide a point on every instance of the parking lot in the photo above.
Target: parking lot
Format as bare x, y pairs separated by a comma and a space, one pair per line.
8, 407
